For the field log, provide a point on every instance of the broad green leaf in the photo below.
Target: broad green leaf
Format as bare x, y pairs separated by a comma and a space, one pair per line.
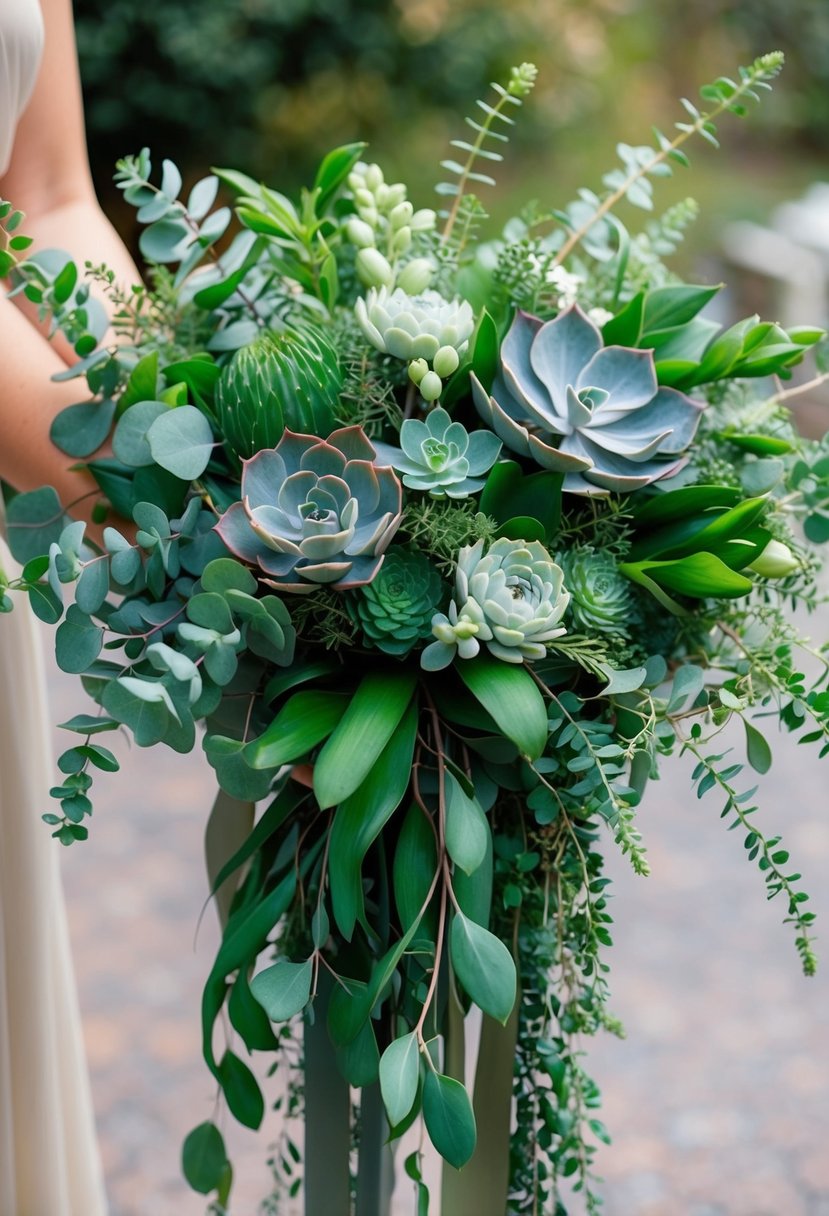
248, 1018
88, 724
234, 774
620, 681
699, 576
203, 1158
415, 862
284, 989
361, 817
512, 698
181, 441
225, 574
679, 504
399, 1077
757, 749
372, 716
303, 721
625, 328
142, 384
450, 1122
148, 720
93, 585
359, 1060
333, 171
241, 1091
467, 827
511, 493
79, 430
689, 682
129, 440
474, 891
484, 967
34, 521
670, 306
285, 802
78, 641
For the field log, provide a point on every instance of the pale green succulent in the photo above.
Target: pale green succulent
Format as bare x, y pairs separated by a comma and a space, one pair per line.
427, 331
601, 600
512, 599
440, 457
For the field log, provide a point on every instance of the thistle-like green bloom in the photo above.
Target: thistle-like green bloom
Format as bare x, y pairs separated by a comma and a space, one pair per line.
395, 610
280, 381
314, 512
600, 597
440, 457
511, 598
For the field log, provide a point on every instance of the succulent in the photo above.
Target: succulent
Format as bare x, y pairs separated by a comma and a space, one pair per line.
280, 380
440, 456
395, 610
601, 600
314, 511
511, 598
592, 412
423, 329
382, 230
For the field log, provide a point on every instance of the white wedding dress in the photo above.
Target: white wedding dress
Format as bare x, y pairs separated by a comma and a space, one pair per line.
49, 1162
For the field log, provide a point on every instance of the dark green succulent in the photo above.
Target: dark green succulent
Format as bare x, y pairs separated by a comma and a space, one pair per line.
280, 381
601, 600
395, 610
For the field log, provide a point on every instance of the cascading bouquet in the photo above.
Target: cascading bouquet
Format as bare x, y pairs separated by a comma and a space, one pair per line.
446, 543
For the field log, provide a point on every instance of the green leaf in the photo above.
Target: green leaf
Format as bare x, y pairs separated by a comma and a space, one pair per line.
241, 1091
333, 171
359, 1060
676, 305
415, 862
303, 721
34, 521
87, 724
79, 430
679, 504
757, 749
484, 967
285, 802
148, 720
203, 1158
372, 716
449, 1119
625, 328
399, 1077
142, 384
284, 989
78, 641
509, 492
181, 441
93, 585
234, 774
129, 440
361, 817
689, 682
699, 576
225, 574
512, 698
248, 1018
467, 827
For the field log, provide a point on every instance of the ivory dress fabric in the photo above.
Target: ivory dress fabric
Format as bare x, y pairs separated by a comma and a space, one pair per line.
48, 1156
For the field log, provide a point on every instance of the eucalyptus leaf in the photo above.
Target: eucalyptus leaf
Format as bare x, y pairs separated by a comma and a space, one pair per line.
284, 989
484, 967
449, 1119
181, 441
467, 827
399, 1077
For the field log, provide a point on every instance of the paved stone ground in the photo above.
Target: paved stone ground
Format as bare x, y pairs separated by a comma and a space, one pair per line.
718, 1099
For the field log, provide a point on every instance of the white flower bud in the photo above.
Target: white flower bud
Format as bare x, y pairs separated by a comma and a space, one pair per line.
373, 269
381, 197
357, 178
446, 361
423, 220
417, 370
416, 276
400, 215
397, 194
373, 177
402, 240
363, 198
359, 232
776, 561
431, 386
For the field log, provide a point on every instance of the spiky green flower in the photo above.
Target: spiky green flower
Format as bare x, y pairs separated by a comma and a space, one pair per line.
601, 600
395, 610
280, 381
511, 598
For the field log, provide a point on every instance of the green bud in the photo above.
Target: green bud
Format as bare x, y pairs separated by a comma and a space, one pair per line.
446, 361
357, 179
423, 220
373, 269
415, 276
431, 386
417, 370
381, 196
397, 194
522, 80
776, 561
359, 233
373, 177
402, 240
401, 215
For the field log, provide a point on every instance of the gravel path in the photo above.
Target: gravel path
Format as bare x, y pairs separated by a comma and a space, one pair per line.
718, 1099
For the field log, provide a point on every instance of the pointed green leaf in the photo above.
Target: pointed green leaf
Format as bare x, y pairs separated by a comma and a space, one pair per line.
203, 1158
284, 989
484, 967
757, 749
510, 695
399, 1075
303, 721
372, 716
450, 1122
241, 1091
467, 828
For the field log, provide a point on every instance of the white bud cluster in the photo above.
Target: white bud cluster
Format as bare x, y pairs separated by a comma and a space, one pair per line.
383, 229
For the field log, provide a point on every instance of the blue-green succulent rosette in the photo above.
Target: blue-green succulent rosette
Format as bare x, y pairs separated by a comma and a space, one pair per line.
314, 512
440, 457
592, 412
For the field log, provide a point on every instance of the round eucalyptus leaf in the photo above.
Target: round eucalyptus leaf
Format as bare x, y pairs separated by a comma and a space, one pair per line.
79, 430
129, 441
93, 585
284, 989
203, 1158
78, 641
181, 441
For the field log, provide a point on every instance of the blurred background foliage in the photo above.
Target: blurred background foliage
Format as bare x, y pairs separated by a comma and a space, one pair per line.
269, 85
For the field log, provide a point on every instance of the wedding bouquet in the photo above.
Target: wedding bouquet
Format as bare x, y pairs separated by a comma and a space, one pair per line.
443, 543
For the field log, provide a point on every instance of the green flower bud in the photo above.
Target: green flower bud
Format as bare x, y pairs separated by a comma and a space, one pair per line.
446, 361
364, 198
417, 370
373, 269
357, 179
402, 240
776, 561
373, 177
397, 194
381, 196
431, 386
522, 80
359, 233
401, 215
423, 220
415, 276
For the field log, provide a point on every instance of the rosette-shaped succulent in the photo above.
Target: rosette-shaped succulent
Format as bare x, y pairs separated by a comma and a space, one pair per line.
288, 380
592, 412
424, 330
314, 511
511, 598
440, 457
600, 596
395, 610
